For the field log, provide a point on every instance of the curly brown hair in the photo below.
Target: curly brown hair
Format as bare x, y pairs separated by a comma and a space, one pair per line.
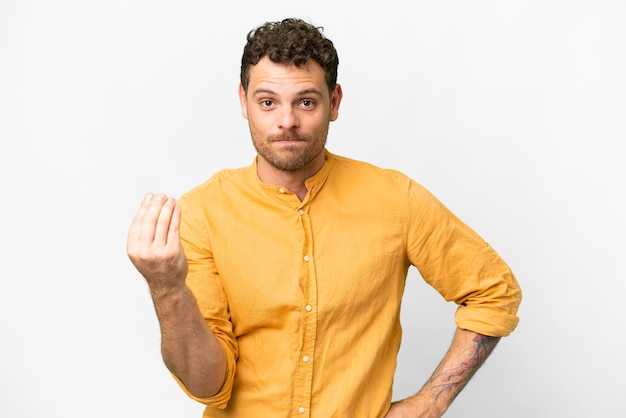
290, 41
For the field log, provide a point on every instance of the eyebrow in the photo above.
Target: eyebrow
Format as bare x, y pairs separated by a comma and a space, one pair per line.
304, 92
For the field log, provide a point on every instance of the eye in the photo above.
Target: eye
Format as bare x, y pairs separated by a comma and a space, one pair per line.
308, 104
267, 103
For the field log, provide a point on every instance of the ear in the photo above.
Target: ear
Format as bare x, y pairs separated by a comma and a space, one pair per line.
335, 101
243, 101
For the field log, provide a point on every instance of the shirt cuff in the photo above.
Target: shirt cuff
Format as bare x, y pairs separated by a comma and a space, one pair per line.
486, 321
220, 399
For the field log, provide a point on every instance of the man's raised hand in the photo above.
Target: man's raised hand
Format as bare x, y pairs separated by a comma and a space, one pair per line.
154, 245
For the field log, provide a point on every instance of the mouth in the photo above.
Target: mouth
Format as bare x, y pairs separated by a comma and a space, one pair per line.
289, 140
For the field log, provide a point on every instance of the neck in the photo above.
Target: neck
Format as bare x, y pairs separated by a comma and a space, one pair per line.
294, 181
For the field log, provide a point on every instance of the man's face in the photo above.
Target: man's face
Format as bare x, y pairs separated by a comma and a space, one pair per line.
289, 110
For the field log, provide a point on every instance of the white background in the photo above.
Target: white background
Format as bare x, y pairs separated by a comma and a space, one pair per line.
512, 113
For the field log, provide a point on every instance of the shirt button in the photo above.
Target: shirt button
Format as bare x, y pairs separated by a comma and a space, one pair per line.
281, 190
300, 211
306, 258
308, 308
305, 359
301, 409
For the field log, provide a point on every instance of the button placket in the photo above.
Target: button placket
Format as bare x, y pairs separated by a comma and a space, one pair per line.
304, 368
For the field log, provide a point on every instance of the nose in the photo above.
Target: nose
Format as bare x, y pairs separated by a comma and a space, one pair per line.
287, 118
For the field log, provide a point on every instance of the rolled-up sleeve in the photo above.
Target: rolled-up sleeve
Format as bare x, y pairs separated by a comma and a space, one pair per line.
204, 282
461, 266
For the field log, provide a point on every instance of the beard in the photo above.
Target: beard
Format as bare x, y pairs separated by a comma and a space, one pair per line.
294, 157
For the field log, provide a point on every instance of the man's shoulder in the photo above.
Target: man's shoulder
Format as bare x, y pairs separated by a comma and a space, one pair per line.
218, 183
363, 168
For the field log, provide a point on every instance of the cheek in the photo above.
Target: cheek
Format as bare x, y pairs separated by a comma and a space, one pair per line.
317, 124
253, 119
260, 124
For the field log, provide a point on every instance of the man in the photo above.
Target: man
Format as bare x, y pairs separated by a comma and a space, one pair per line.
278, 286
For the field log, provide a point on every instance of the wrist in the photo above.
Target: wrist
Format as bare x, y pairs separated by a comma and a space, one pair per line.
425, 405
164, 296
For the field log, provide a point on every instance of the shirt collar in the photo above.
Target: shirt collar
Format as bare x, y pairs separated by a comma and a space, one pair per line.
313, 184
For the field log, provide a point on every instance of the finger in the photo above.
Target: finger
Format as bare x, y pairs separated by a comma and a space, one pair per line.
173, 235
163, 221
134, 232
151, 218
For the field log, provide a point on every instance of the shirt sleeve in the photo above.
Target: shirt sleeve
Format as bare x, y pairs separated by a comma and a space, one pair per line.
204, 282
461, 266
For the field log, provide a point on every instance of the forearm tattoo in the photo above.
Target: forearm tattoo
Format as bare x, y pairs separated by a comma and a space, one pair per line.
452, 379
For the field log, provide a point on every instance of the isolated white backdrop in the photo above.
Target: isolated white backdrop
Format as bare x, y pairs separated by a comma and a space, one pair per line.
512, 113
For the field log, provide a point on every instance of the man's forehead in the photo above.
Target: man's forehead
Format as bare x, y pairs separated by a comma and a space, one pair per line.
266, 71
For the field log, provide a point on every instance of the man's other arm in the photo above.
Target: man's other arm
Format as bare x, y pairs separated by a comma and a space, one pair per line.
467, 352
190, 350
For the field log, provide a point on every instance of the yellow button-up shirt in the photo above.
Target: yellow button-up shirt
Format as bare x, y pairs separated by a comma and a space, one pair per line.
305, 295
